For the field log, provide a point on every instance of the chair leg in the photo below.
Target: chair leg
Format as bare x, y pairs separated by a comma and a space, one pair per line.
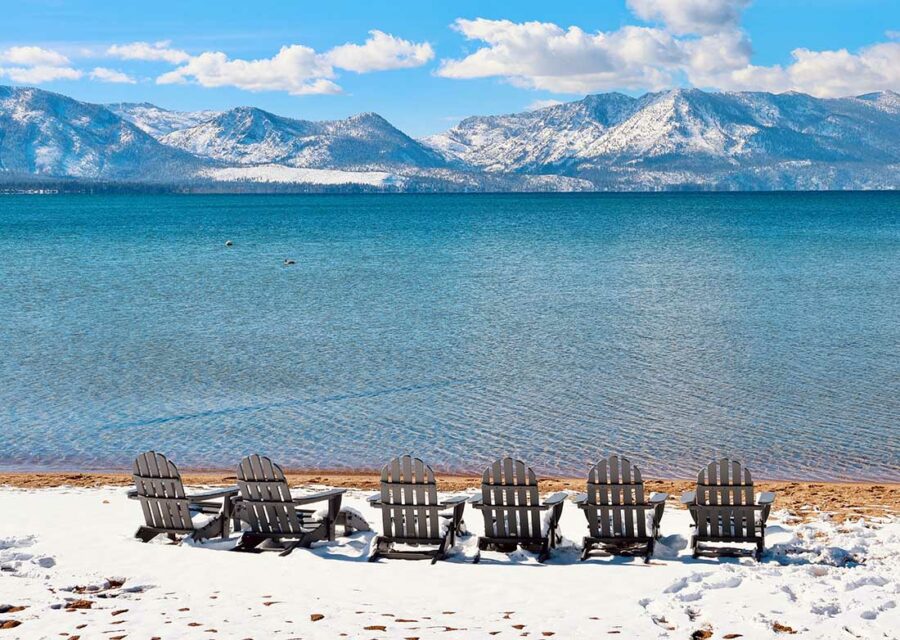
144, 534
649, 554
334, 509
586, 547
379, 546
545, 551
760, 549
292, 546
481, 546
249, 541
441, 551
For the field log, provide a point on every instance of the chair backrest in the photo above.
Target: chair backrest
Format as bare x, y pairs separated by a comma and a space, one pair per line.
409, 500
616, 489
615, 481
725, 483
161, 493
508, 489
266, 503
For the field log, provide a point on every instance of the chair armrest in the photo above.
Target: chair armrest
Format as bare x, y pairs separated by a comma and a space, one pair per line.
454, 500
226, 492
131, 494
476, 499
765, 498
656, 498
555, 499
372, 499
688, 497
319, 497
580, 498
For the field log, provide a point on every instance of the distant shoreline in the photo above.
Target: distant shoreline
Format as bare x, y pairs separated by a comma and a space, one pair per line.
846, 500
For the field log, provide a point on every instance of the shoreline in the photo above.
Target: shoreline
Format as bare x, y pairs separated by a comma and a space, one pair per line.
846, 500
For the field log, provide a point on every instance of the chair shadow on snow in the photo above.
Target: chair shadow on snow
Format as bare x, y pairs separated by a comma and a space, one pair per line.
357, 548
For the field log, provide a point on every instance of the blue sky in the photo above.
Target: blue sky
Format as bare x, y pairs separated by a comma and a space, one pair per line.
423, 65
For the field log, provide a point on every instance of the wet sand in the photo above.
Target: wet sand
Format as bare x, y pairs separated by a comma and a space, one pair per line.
843, 499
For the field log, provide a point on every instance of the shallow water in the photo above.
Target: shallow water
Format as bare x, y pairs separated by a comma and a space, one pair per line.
671, 328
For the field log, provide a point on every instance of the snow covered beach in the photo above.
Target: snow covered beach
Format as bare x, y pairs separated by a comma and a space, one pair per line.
68, 557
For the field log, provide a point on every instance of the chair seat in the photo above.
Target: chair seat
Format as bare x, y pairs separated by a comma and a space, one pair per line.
200, 519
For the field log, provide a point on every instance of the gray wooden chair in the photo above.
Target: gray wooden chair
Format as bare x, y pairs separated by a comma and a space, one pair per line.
620, 519
725, 509
273, 515
169, 510
513, 512
412, 514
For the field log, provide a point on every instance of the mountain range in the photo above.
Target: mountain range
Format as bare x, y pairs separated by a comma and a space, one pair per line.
678, 139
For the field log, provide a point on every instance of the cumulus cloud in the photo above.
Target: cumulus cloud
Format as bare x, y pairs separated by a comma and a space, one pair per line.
102, 74
691, 16
149, 51
39, 74
828, 74
33, 57
380, 52
542, 55
545, 56
299, 69
296, 69
35, 65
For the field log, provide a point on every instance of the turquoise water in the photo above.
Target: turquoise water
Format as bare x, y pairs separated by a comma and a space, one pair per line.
671, 328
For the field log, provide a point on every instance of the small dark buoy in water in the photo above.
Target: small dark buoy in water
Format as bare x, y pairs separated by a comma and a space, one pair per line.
228, 243
288, 261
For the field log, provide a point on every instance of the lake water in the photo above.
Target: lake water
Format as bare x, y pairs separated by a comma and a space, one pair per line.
670, 328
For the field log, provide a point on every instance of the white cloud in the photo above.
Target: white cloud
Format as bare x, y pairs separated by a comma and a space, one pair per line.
691, 16
380, 52
542, 55
298, 69
545, 56
149, 51
102, 74
827, 74
39, 74
33, 56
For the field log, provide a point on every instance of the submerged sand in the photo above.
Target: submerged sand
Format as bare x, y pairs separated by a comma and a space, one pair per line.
843, 499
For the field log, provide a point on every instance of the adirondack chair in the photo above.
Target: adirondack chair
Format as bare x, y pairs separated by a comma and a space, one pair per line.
619, 518
512, 510
412, 514
725, 509
265, 504
169, 510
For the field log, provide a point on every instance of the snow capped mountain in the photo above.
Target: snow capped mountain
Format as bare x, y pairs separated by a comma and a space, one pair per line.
247, 135
679, 139
532, 139
48, 134
691, 137
158, 121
